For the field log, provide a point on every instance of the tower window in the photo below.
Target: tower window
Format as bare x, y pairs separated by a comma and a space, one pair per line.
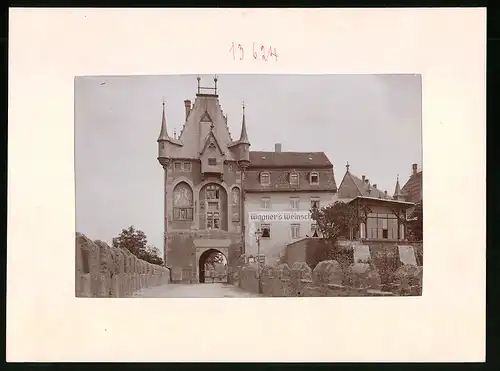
314, 178
187, 166
177, 166
212, 161
212, 195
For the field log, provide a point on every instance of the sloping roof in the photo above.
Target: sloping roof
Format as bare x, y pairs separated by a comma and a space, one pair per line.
412, 190
259, 159
363, 188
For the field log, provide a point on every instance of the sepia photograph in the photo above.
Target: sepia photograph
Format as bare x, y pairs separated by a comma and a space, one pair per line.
248, 186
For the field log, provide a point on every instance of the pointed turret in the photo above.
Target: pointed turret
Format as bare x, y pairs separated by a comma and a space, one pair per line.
163, 131
244, 135
244, 144
398, 195
163, 140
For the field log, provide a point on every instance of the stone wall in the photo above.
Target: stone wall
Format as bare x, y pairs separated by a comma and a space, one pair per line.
327, 279
104, 271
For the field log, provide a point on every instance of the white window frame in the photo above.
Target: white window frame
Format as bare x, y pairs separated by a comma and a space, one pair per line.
295, 231
294, 203
265, 174
314, 228
294, 175
268, 227
315, 199
265, 203
314, 174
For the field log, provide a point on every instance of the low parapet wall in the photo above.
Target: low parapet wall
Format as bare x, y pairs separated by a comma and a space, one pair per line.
328, 279
104, 271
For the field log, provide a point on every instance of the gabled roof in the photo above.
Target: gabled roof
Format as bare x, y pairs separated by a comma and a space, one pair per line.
312, 160
208, 141
364, 187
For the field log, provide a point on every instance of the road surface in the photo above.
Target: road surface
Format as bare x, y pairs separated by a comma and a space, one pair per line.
195, 290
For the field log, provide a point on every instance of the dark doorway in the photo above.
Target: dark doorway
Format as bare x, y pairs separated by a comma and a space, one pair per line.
212, 257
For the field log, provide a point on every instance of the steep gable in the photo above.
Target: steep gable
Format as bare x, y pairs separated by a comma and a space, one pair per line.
211, 139
348, 187
205, 116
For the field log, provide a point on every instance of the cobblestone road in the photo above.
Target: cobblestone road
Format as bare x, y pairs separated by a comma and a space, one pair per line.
196, 290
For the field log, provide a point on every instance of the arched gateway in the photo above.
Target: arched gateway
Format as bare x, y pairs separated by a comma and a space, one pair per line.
212, 260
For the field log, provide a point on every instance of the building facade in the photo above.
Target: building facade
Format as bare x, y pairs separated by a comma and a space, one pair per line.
280, 190
203, 198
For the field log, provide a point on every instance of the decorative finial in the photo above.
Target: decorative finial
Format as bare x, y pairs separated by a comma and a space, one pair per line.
198, 78
175, 133
243, 105
397, 177
347, 166
215, 82
211, 126
163, 100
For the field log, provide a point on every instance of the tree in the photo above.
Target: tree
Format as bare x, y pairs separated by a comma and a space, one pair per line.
416, 223
135, 241
334, 221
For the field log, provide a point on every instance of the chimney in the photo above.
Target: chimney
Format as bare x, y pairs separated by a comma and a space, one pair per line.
277, 147
414, 169
367, 181
375, 186
187, 105
363, 178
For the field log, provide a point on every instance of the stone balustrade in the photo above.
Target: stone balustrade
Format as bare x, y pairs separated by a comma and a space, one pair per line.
326, 280
104, 271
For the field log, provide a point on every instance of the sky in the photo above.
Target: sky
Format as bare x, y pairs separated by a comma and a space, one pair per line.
374, 122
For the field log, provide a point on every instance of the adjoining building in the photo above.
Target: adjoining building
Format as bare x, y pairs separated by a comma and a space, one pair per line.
280, 190
380, 216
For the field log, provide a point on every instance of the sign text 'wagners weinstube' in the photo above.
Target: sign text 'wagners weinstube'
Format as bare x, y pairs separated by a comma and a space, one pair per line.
280, 216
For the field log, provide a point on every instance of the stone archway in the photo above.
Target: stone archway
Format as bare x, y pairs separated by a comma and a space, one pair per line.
203, 260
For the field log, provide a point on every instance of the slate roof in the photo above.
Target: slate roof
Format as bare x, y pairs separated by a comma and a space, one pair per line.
363, 188
412, 190
311, 160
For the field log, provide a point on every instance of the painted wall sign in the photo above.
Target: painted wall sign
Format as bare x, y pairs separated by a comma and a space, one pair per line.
279, 216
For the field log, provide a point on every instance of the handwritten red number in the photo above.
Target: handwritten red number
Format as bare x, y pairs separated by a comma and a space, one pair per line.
263, 50
242, 52
254, 52
273, 53
231, 49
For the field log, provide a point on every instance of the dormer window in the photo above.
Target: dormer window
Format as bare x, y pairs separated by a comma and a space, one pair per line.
265, 178
314, 178
294, 179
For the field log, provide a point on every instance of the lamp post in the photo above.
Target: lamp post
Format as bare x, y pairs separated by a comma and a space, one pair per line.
258, 235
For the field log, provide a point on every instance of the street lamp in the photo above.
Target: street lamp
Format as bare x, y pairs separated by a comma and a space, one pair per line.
258, 235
